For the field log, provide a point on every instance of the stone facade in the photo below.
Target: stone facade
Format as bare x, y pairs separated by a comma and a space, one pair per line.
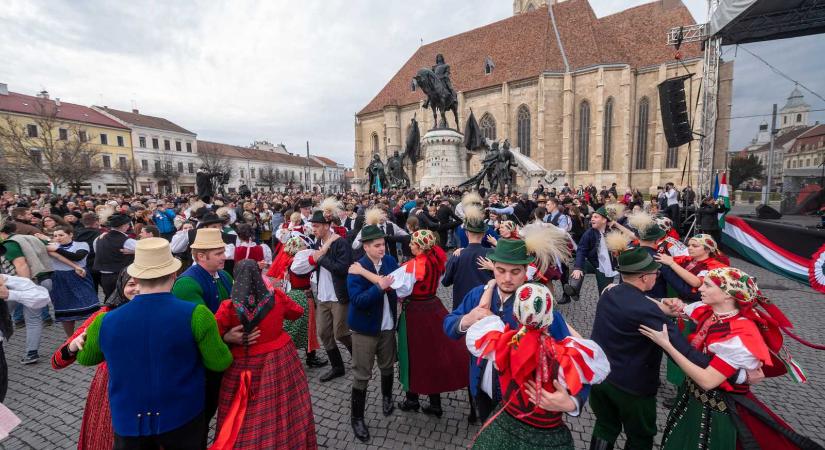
547, 112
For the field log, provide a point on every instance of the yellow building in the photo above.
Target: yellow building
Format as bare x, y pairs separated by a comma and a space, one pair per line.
47, 127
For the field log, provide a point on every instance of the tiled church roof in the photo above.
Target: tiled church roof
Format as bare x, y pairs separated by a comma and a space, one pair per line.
525, 45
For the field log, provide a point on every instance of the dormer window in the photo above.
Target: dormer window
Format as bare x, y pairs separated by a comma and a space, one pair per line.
488, 66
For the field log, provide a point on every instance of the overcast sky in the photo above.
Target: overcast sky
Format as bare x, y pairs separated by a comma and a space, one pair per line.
291, 71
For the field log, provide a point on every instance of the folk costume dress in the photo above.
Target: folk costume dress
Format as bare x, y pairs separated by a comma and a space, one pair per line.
730, 416
428, 361
264, 399
292, 275
96, 428
530, 353
74, 297
675, 375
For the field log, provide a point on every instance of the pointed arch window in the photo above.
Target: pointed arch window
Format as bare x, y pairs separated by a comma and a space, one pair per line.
584, 135
374, 139
641, 134
607, 134
672, 159
523, 124
487, 125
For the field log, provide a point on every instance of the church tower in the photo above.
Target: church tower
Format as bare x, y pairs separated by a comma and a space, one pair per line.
522, 6
795, 112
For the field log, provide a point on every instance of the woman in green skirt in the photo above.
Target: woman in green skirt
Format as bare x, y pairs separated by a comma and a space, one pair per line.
715, 408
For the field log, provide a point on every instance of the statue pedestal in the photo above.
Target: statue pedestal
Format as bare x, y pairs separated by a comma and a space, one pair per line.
444, 161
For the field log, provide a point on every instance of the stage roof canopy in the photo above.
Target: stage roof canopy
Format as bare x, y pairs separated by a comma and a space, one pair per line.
743, 21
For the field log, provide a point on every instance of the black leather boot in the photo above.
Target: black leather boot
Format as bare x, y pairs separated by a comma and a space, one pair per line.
410, 403
386, 393
337, 369
313, 360
573, 288
472, 419
600, 444
359, 428
565, 299
434, 408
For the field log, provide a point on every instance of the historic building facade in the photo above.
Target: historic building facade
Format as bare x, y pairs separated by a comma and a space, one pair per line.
165, 154
576, 93
109, 141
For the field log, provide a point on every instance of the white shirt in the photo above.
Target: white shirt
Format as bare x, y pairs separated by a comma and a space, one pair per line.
605, 266
386, 316
25, 292
326, 290
672, 197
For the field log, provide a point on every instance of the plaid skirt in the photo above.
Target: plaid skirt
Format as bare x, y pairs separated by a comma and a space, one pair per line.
96, 430
279, 409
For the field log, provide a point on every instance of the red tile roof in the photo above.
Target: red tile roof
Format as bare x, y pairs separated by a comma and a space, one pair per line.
525, 45
234, 151
783, 138
811, 136
142, 120
30, 105
326, 160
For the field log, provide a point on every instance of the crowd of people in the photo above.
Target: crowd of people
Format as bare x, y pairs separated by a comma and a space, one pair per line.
213, 308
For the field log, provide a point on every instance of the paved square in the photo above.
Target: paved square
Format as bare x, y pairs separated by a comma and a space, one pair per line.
50, 403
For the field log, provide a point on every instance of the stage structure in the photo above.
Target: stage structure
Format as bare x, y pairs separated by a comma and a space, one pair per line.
740, 22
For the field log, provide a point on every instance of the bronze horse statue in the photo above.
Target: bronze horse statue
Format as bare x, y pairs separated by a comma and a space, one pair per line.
439, 97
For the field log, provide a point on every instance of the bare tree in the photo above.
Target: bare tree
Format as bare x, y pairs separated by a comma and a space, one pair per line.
268, 179
213, 160
129, 172
167, 173
59, 151
15, 174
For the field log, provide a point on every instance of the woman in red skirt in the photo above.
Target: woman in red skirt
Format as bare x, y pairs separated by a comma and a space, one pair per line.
293, 277
429, 362
96, 429
264, 401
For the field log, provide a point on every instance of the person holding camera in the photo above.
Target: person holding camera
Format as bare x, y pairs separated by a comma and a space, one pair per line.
708, 218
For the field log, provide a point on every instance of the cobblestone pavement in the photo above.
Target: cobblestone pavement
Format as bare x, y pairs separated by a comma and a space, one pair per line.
50, 403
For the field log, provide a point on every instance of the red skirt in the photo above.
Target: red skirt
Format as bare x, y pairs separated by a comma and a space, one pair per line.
279, 409
96, 430
436, 363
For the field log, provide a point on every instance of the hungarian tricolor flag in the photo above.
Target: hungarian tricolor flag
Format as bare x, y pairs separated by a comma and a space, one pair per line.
721, 191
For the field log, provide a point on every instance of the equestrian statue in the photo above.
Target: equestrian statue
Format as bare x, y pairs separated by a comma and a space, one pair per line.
441, 97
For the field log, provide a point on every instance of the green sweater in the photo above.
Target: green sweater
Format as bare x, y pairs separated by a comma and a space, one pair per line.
186, 288
214, 352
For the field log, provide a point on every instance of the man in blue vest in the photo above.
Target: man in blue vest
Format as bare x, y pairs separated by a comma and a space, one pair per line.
372, 317
157, 348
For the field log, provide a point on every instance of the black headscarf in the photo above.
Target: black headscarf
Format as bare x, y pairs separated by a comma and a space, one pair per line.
250, 297
117, 298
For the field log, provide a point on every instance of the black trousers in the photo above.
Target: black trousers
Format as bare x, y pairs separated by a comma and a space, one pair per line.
484, 405
213, 391
109, 282
4, 374
186, 437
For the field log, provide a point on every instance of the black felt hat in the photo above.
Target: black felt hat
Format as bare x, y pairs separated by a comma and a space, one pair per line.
318, 217
116, 220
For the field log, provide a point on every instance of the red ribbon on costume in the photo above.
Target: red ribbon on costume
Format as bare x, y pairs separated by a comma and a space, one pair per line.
226, 436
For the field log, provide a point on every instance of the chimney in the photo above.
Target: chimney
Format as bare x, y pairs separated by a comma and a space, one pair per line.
57, 101
135, 111
44, 94
4, 89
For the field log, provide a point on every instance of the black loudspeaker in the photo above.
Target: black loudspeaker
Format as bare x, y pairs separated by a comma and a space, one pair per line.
766, 212
675, 120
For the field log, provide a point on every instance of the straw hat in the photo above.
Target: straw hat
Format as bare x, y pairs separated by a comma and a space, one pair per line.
153, 259
207, 239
